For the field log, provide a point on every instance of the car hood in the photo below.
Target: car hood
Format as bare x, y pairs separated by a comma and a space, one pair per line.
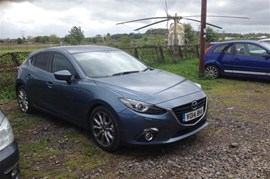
154, 86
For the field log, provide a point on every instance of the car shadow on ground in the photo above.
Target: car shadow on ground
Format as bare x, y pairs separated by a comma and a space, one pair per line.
57, 126
247, 79
157, 150
131, 150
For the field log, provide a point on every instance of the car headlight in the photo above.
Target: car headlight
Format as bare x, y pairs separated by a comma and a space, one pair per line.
197, 84
6, 133
142, 107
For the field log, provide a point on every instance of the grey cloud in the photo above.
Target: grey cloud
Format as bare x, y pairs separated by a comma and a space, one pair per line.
15, 1
114, 11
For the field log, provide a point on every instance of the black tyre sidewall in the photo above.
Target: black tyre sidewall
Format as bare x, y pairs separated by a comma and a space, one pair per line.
116, 143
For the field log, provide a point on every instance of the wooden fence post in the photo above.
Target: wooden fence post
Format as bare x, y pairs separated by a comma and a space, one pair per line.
14, 59
136, 53
181, 53
161, 54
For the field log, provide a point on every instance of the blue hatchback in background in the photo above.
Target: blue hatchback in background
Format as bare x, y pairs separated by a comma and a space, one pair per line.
238, 58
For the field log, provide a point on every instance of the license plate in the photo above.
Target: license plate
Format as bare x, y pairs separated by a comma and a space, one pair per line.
192, 115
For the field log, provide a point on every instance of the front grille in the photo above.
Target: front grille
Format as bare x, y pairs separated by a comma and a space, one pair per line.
181, 110
189, 129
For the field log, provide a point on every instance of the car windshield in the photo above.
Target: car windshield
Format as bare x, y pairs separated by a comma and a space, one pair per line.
108, 63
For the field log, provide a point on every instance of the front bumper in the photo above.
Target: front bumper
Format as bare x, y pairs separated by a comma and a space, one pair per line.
9, 162
165, 128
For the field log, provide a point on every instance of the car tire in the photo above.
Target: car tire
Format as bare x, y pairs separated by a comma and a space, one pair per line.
212, 71
104, 129
23, 100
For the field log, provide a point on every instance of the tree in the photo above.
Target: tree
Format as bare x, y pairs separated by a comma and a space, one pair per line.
99, 38
44, 39
19, 41
190, 35
124, 41
53, 38
29, 38
94, 40
211, 35
76, 35
159, 40
108, 37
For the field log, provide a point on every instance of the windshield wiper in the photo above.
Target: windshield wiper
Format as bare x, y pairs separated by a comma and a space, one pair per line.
124, 73
147, 69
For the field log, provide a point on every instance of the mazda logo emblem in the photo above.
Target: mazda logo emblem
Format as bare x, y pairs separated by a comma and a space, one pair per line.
194, 105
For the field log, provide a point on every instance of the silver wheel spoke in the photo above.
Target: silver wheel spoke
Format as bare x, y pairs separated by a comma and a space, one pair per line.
97, 122
102, 139
96, 127
109, 135
103, 129
106, 137
23, 100
212, 71
98, 134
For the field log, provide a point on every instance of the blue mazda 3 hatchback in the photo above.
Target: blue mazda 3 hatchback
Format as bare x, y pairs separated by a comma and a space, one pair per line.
245, 58
119, 99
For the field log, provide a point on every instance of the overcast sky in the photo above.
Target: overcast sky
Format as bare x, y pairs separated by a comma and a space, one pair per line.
45, 17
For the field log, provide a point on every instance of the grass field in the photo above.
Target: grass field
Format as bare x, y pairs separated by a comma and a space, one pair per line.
21, 48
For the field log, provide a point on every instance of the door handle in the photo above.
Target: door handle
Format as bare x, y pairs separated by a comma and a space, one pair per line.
49, 84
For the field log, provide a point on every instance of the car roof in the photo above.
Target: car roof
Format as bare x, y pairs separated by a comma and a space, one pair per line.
1, 115
262, 40
236, 41
77, 49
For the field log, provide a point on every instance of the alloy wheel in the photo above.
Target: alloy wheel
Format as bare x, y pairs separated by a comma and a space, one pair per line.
212, 71
103, 128
23, 100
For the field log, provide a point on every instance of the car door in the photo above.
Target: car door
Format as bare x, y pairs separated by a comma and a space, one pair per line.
248, 59
37, 80
65, 97
223, 55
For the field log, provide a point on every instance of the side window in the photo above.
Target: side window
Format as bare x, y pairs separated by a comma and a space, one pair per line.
255, 50
223, 49
42, 61
60, 62
241, 49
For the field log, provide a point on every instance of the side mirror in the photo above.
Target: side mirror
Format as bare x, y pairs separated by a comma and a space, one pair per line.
63, 75
266, 56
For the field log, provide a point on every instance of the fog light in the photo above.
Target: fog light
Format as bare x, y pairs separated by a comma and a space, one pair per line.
14, 173
148, 136
149, 133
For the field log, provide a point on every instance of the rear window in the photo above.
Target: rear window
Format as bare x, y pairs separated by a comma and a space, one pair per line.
223, 49
41, 61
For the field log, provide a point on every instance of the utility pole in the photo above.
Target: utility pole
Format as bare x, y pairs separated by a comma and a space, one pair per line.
202, 37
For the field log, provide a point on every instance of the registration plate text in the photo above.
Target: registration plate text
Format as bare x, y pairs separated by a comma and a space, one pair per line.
192, 115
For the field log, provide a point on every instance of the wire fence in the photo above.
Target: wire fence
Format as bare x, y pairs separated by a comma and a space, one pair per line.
163, 54
8, 65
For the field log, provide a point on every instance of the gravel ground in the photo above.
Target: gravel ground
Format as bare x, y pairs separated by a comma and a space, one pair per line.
235, 144
240, 151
